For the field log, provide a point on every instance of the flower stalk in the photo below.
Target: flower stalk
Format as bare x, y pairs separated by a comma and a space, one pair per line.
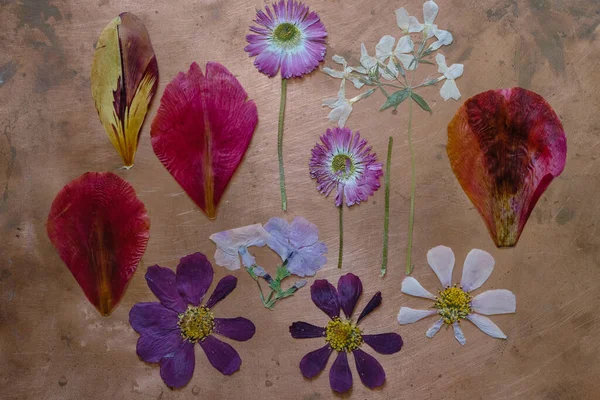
341, 251
277, 293
386, 217
280, 143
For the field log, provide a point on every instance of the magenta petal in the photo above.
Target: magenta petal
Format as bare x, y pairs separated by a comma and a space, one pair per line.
371, 305
221, 355
349, 290
163, 283
152, 318
340, 377
177, 368
325, 297
238, 328
314, 362
224, 287
153, 347
370, 371
384, 343
194, 277
304, 330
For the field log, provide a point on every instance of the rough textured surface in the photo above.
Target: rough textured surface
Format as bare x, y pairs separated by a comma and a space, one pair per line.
54, 345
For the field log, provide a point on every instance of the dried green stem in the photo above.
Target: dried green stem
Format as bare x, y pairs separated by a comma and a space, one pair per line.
413, 183
386, 219
280, 143
341, 251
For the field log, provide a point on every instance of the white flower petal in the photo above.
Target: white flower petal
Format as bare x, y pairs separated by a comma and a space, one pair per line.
339, 60
407, 61
449, 90
486, 325
384, 47
412, 287
441, 260
434, 328
405, 45
356, 82
360, 70
365, 59
430, 11
409, 315
441, 62
497, 301
402, 19
333, 72
478, 266
444, 39
414, 25
458, 334
340, 114
227, 260
455, 71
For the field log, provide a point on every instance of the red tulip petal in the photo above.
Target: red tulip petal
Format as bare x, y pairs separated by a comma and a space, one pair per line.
505, 147
201, 131
100, 229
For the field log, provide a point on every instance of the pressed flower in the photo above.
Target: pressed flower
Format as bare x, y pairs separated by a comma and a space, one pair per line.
455, 303
342, 107
449, 90
505, 147
347, 72
170, 329
408, 24
234, 243
343, 335
385, 52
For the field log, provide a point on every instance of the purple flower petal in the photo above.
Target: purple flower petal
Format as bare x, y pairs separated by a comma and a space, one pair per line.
194, 276
177, 368
238, 328
303, 233
324, 296
163, 283
371, 305
224, 287
304, 330
153, 347
384, 343
308, 260
314, 362
279, 229
370, 371
152, 319
340, 377
349, 290
221, 355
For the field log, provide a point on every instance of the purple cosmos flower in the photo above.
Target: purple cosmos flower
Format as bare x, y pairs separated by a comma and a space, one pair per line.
169, 329
298, 244
343, 162
344, 336
290, 38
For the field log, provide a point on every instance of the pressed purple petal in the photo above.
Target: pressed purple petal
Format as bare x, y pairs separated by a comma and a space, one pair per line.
194, 276
163, 283
238, 328
304, 330
224, 287
314, 362
303, 233
152, 318
268, 62
279, 242
340, 377
308, 260
371, 305
324, 296
349, 290
221, 355
177, 368
153, 347
384, 343
370, 371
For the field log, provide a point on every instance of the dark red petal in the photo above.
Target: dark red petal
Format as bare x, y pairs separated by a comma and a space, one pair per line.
239, 328
325, 297
505, 147
163, 283
100, 229
201, 131
224, 287
304, 330
221, 355
370, 371
194, 277
371, 305
314, 362
384, 343
349, 290
340, 377
177, 368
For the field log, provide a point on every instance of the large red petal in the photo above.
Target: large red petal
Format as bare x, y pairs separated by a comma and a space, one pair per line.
100, 229
505, 147
201, 131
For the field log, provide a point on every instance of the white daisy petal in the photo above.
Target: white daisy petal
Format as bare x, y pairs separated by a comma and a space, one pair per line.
430, 11
449, 90
478, 266
497, 301
486, 325
412, 287
441, 260
458, 334
333, 72
455, 71
405, 45
384, 47
441, 62
434, 328
409, 315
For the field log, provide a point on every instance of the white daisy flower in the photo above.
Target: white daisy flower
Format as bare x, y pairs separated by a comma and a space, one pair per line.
346, 72
449, 90
455, 302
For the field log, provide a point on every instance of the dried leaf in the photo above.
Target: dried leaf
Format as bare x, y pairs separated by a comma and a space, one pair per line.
395, 99
201, 131
505, 147
420, 101
100, 229
124, 79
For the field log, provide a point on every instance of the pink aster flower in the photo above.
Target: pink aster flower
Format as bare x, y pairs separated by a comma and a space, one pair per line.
170, 329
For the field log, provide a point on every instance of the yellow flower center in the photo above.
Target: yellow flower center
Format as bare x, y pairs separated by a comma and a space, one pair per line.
196, 323
343, 335
286, 33
453, 304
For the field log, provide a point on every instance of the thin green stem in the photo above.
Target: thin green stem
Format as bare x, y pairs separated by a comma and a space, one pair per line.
280, 143
386, 220
413, 183
341, 253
